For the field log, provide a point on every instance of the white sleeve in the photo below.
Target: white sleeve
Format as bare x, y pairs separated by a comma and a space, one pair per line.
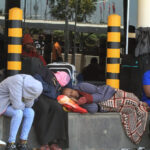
29, 104
15, 92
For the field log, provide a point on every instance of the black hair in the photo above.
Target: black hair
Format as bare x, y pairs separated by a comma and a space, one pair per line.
94, 60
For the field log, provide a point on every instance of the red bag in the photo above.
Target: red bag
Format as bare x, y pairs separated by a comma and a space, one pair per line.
70, 104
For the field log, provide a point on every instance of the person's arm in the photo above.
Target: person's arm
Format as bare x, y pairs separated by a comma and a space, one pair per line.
98, 93
146, 83
90, 91
42, 59
29, 104
15, 92
146, 89
86, 87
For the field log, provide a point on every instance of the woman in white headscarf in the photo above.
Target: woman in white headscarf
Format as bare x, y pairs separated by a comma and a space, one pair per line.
17, 95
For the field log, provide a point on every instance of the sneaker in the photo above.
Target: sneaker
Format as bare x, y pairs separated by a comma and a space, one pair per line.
22, 146
10, 146
55, 147
2, 143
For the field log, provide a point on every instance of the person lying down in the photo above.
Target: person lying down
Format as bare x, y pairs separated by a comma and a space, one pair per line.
103, 98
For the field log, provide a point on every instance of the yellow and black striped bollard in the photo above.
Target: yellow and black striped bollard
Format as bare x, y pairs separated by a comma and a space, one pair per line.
113, 51
14, 64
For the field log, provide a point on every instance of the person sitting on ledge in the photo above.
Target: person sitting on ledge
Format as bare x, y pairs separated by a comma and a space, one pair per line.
17, 95
51, 121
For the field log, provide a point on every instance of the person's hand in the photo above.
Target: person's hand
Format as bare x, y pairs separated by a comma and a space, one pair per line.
146, 106
82, 101
75, 100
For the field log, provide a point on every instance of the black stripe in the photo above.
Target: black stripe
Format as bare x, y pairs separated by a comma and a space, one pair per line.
113, 75
12, 72
15, 24
57, 67
13, 57
113, 60
113, 29
15, 40
114, 45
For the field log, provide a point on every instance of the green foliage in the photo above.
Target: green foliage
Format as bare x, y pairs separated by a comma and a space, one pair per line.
58, 34
103, 40
84, 8
35, 31
57, 9
92, 40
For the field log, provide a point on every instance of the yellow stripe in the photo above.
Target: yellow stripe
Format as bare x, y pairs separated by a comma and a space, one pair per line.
14, 65
15, 14
113, 68
114, 20
113, 53
113, 36
15, 49
15, 32
113, 83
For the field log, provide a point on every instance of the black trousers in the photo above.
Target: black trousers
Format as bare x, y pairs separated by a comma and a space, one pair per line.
51, 122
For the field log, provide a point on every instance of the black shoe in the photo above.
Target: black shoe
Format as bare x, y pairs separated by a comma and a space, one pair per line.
10, 146
22, 146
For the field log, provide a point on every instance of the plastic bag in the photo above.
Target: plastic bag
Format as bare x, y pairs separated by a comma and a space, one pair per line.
70, 105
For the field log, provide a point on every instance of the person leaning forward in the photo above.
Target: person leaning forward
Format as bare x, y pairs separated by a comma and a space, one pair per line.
17, 95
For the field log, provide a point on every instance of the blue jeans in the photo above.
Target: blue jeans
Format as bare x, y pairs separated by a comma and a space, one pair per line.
92, 108
16, 117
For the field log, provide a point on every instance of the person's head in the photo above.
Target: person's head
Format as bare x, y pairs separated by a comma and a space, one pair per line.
70, 93
62, 77
32, 88
27, 39
41, 37
94, 60
28, 44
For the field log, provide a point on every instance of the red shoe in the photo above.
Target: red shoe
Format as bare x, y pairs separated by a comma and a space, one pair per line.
55, 147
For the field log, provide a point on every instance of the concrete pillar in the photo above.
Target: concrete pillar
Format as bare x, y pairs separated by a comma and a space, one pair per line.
8, 5
143, 13
14, 41
113, 51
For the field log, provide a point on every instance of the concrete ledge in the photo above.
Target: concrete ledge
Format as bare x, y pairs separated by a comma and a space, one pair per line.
100, 131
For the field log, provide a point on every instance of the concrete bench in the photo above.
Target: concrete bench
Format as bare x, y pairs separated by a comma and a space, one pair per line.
100, 131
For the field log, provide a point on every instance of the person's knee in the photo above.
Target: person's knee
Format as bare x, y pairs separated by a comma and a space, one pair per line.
18, 114
58, 109
91, 108
28, 112
56, 106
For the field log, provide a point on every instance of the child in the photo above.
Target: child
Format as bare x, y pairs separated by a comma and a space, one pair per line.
107, 99
17, 95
